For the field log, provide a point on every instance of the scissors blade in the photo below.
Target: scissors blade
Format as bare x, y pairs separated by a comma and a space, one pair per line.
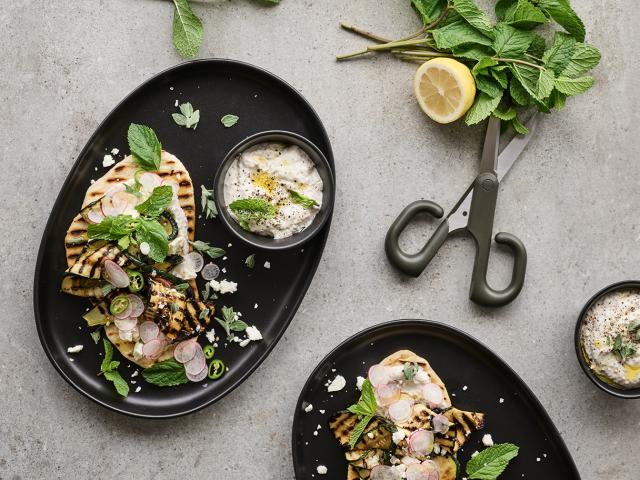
489, 159
512, 151
458, 217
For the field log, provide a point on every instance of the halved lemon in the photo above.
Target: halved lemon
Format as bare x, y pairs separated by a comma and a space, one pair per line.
445, 89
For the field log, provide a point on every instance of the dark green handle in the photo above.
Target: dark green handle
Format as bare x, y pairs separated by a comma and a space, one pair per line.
414, 263
481, 215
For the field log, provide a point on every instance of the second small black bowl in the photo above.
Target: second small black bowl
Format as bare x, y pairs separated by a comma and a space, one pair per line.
328, 194
610, 388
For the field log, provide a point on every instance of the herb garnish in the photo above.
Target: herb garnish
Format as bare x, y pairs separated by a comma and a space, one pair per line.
300, 199
188, 118
230, 321
95, 336
491, 462
208, 204
229, 120
181, 287
145, 147
204, 247
365, 409
157, 202
623, 350
166, 374
512, 65
634, 326
409, 370
247, 209
250, 261
109, 368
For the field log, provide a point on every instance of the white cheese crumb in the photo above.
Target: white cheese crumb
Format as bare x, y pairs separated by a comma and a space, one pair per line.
244, 342
75, 349
138, 388
211, 336
337, 384
134, 374
370, 435
464, 388
176, 104
322, 470
153, 272
474, 454
145, 248
398, 436
224, 258
322, 412
315, 433
537, 459
171, 88
253, 333
229, 245
318, 427
487, 441
255, 306
107, 161
223, 286
92, 181
501, 400
115, 151
359, 382
308, 408
224, 270
267, 265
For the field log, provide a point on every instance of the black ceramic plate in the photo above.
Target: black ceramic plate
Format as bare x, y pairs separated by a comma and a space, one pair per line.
460, 361
215, 87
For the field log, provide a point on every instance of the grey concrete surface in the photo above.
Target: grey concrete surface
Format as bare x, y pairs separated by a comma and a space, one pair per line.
573, 199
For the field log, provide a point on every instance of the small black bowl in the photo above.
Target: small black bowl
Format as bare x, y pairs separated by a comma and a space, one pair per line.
328, 193
607, 387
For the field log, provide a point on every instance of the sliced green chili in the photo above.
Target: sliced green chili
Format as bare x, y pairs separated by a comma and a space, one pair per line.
216, 369
208, 351
136, 281
119, 304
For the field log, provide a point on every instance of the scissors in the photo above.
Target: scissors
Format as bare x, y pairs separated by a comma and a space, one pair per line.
474, 213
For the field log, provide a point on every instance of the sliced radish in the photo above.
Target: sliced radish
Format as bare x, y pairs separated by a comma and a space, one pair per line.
431, 465
123, 200
153, 348
421, 442
95, 216
196, 364
388, 394
422, 471
185, 351
400, 411
108, 208
149, 181
115, 275
378, 375
197, 262
126, 324
407, 460
125, 314
433, 394
440, 423
148, 331
198, 377
385, 472
210, 271
118, 187
137, 305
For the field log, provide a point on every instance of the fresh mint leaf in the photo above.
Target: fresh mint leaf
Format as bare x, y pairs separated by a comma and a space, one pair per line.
518, 93
187, 29
537, 47
145, 146
518, 126
229, 120
491, 462
167, 373
365, 408
112, 228
250, 261
157, 202
409, 371
584, 58
623, 350
429, 10
188, 118
208, 203
565, 16
358, 430
181, 287
500, 75
477, 52
108, 355
557, 100
525, 15
573, 86
482, 108
300, 199
474, 16
204, 247
502, 6
559, 55
151, 232
95, 336
122, 387
458, 34
230, 321
489, 86
246, 209
511, 42
538, 83
109, 369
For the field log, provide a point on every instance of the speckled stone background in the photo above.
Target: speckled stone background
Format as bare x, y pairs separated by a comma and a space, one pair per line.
573, 198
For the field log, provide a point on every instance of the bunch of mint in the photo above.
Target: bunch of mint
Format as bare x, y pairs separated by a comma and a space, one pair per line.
533, 55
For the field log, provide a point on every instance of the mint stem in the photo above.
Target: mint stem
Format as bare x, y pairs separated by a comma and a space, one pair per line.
364, 33
522, 62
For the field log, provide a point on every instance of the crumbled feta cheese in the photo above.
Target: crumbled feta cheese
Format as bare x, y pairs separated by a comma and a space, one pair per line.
337, 384
223, 286
176, 104
315, 433
171, 88
145, 248
153, 272
370, 434
474, 454
359, 381
245, 342
115, 151
137, 350
255, 306
322, 412
537, 459
107, 161
267, 265
464, 388
398, 436
229, 245
253, 333
308, 408
501, 400
138, 388
321, 469
92, 181
75, 349
211, 336
134, 374
487, 441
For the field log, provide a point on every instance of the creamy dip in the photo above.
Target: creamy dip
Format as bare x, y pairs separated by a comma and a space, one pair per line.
275, 172
608, 318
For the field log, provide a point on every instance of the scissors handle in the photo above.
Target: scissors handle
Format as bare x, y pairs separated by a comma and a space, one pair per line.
414, 263
481, 215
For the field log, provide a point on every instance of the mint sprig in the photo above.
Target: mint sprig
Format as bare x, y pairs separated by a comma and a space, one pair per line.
230, 321
300, 199
145, 146
208, 203
491, 462
167, 373
365, 408
157, 202
109, 368
204, 247
188, 117
252, 209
